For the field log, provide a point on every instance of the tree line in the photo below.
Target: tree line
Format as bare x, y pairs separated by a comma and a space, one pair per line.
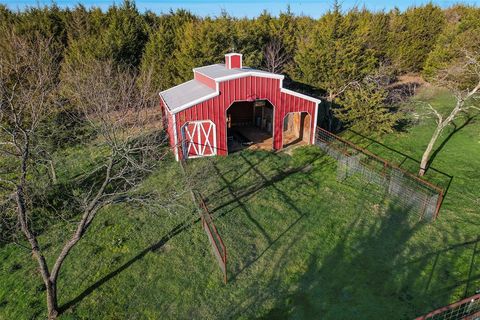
341, 48
329, 53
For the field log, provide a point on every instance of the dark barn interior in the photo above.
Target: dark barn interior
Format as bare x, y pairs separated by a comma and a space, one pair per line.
250, 125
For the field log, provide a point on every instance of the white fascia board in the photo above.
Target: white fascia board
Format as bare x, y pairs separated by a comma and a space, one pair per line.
175, 136
300, 95
314, 135
250, 74
165, 103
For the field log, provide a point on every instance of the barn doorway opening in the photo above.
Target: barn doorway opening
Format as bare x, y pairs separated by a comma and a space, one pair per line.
296, 129
250, 125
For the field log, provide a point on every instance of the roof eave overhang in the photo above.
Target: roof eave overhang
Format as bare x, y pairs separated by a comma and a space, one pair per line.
237, 76
300, 95
242, 75
194, 102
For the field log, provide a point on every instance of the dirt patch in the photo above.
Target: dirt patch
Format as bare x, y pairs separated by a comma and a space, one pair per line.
404, 87
409, 78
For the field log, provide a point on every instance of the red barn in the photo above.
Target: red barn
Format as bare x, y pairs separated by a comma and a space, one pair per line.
227, 107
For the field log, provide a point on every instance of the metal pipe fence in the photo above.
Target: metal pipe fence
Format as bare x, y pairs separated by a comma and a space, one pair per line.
409, 190
466, 309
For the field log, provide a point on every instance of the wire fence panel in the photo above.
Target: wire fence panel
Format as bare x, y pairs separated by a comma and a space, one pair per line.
466, 309
409, 190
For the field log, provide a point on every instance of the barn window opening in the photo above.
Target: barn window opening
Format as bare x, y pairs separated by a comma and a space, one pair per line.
250, 125
296, 129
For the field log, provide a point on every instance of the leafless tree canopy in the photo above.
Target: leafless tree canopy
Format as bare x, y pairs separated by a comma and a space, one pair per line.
275, 56
116, 108
462, 79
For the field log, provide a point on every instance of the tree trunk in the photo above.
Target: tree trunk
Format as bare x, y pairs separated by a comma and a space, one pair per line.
426, 154
53, 172
51, 286
52, 302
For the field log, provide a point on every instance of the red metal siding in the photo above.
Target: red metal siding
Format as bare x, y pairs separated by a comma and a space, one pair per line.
205, 80
168, 119
245, 89
235, 62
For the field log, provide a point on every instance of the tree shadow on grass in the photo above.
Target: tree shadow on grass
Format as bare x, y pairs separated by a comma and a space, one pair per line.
171, 234
177, 230
369, 275
450, 135
237, 198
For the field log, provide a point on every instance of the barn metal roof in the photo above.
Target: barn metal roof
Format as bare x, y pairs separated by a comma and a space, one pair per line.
193, 92
186, 93
218, 72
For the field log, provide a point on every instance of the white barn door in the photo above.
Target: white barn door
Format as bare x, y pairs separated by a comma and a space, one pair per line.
199, 139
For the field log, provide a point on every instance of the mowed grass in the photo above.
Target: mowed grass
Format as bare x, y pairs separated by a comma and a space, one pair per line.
300, 244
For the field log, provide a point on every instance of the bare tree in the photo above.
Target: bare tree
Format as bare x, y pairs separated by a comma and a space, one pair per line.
275, 56
27, 73
462, 79
116, 108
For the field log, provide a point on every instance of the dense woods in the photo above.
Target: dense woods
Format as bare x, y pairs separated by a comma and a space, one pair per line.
61, 69
328, 54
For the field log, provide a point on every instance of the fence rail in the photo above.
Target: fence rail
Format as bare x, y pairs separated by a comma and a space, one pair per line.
410, 190
219, 249
466, 309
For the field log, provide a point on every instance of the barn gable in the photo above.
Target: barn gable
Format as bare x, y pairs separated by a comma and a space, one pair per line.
201, 124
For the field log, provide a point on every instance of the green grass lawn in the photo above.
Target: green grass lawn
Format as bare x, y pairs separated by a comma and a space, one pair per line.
300, 244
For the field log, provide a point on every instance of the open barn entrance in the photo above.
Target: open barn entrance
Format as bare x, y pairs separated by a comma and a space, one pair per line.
250, 125
296, 129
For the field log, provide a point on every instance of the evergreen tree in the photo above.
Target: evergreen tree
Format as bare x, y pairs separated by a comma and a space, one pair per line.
373, 28
159, 58
413, 34
126, 34
120, 34
333, 55
251, 36
463, 34
203, 42
364, 109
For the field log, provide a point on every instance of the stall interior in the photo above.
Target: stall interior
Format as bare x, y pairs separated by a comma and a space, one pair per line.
250, 125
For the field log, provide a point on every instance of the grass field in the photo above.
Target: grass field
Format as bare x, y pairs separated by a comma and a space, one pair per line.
300, 244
